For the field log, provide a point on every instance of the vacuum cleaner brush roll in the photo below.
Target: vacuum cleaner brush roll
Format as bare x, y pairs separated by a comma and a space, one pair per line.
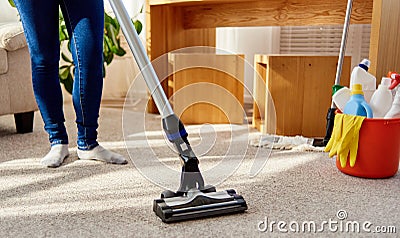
196, 204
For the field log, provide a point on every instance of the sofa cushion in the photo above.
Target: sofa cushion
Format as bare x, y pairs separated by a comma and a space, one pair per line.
3, 61
12, 36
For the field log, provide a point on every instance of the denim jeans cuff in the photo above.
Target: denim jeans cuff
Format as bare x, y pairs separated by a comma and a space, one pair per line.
88, 147
58, 142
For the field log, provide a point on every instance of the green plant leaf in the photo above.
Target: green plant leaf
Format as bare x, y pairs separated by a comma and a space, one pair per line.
111, 34
62, 35
64, 72
66, 77
108, 57
108, 20
117, 26
120, 52
65, 58
107, 45
60, 15
69, 46
138, 26
69, 83
62, 29
107, 53
11, 3
113, 42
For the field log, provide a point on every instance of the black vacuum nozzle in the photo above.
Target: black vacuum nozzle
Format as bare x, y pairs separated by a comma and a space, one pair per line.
197, 204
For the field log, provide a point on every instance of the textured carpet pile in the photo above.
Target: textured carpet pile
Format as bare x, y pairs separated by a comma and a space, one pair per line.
93, 199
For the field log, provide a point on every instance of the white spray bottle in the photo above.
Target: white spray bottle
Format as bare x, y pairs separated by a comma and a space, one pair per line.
394, 111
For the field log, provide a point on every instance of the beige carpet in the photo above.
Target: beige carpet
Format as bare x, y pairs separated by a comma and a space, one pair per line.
92, 199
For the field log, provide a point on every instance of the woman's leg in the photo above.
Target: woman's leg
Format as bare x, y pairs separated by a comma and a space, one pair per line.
40, 21
85, 23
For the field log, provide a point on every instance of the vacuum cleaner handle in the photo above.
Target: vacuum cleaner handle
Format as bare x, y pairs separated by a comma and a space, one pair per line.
139, 52
331, 111
343, 41
173, 127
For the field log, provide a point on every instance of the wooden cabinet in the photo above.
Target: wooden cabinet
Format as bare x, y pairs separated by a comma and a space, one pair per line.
207, 88
293, 93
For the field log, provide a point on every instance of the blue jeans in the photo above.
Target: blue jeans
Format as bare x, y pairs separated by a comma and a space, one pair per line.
85, 24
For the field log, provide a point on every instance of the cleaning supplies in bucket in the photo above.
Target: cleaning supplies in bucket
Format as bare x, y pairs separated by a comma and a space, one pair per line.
372, 142
382, 99
394, 111
367, 148
360, 75
357, 105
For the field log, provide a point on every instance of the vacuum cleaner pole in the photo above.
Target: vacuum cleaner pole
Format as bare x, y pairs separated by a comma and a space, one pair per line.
173, 127
343, 43
331, 111
193, 199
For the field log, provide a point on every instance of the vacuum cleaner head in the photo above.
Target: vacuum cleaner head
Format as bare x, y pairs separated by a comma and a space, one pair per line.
197, 204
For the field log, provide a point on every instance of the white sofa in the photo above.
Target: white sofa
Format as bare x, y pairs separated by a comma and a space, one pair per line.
16, 93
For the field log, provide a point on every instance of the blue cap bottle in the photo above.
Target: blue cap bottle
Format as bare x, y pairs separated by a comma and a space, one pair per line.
357, 104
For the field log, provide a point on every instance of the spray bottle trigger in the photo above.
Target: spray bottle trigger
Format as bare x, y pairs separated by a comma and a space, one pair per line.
395, 79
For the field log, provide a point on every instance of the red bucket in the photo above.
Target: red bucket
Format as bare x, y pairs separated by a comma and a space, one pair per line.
378, 154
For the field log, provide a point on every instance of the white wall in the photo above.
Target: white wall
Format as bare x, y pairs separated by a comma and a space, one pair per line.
8, 13
248, 41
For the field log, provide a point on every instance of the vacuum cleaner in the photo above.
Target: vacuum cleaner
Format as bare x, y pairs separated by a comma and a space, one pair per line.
193, 199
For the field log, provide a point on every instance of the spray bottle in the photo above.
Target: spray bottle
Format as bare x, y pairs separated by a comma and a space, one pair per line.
360, 75
394, 111
357, 105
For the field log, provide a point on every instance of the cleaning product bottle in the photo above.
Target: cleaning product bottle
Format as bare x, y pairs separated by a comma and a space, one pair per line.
382, 100
360, 75
394, 111
357, 104
341, 97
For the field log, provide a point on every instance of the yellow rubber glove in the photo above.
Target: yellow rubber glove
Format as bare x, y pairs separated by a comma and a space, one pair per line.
356, 135
334, 141
344, 138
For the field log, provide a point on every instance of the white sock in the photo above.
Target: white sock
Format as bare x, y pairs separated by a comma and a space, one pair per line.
56, 156
101, 154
